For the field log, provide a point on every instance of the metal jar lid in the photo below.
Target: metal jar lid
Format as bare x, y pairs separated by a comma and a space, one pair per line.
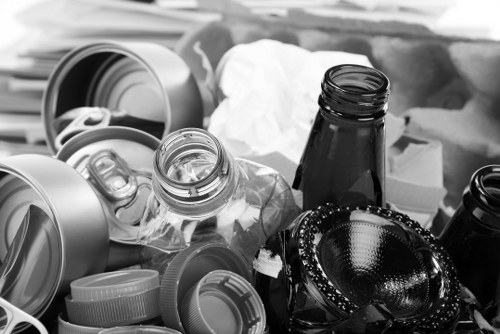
67, 235
145, 80
123, 184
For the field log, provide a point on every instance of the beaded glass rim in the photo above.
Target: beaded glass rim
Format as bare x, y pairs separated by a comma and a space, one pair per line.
312, 224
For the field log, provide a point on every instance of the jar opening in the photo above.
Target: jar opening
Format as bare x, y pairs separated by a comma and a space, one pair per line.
355, 91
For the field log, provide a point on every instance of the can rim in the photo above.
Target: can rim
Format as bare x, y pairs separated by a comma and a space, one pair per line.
137, 51
31, 169
111, 132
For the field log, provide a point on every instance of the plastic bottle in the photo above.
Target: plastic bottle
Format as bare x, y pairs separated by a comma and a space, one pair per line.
202, 194
343, 161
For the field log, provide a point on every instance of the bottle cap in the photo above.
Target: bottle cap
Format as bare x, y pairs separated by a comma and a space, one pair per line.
114, 284
187, 268
119, 311
223, 294
139, 330
65, 327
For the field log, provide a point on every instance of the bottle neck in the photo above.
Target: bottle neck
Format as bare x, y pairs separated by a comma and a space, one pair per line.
355, 92
482, 199
193, 174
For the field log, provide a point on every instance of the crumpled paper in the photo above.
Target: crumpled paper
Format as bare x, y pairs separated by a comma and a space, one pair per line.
268, 93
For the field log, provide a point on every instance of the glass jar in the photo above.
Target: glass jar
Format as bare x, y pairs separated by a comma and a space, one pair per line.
472, 237
202, 194
344, 158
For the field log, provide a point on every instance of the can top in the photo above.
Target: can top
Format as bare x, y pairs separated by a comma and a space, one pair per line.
135, 146
118, 163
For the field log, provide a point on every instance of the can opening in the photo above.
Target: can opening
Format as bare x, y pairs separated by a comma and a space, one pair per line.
113, 81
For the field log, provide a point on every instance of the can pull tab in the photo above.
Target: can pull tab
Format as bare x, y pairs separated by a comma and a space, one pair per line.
81, 119
112, 175
15, 316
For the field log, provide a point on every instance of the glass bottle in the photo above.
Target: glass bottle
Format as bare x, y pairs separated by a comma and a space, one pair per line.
358, 270
201, 193
343, 161
472, 238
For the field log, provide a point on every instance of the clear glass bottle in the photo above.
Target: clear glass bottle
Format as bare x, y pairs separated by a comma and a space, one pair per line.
202, 194
344, 159
472, 237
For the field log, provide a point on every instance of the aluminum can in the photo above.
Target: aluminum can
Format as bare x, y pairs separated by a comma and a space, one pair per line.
66, 238
148, 82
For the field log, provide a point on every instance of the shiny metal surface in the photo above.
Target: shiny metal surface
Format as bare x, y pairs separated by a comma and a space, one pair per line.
78, 238
126, 157
148, 81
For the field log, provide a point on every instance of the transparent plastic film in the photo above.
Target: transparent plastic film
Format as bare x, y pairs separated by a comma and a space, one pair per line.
122, 189
202, 194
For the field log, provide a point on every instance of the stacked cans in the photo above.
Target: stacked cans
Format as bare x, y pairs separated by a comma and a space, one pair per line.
75, 214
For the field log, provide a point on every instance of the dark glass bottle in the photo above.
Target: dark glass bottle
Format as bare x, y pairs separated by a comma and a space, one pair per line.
343, 161
472, 238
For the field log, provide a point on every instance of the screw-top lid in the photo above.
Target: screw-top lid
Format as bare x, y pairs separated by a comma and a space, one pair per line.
187, 268
223, 294
119, 311
139, 330
65, 327
114, 284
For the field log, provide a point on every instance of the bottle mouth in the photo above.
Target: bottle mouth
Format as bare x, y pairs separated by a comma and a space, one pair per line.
355, 91
190, 167
485, 186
